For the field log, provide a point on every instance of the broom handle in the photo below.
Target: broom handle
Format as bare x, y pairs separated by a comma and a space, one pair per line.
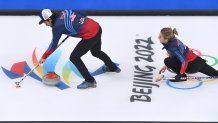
18, 83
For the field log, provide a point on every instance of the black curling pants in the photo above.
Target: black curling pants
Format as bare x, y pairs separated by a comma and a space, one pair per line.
94, 45
198, 65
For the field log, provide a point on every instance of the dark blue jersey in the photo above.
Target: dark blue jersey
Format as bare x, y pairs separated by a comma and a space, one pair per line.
71, 23
175, 48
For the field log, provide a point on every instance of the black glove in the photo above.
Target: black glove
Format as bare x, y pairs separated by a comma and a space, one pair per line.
180, 78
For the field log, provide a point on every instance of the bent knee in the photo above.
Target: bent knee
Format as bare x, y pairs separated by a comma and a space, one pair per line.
74, 58
168, 62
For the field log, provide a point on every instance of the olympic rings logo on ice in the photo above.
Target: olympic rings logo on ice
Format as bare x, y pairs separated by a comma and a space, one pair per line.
193, 84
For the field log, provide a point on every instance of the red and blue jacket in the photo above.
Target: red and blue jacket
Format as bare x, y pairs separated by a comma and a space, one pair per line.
74, 24
175, 48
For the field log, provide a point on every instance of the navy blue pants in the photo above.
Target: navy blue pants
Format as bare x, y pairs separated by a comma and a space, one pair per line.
93, 45
198, 65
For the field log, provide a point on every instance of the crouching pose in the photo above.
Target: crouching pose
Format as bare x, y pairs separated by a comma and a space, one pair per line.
181, 59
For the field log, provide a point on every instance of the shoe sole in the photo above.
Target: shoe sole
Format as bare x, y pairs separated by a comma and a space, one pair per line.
118, 71
88, 87
112, 71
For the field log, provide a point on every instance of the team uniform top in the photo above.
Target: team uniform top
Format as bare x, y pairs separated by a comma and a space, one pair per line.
177, 49
74, 24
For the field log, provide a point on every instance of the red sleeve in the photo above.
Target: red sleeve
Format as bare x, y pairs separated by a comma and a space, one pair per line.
183, 67
56, 32
47, 53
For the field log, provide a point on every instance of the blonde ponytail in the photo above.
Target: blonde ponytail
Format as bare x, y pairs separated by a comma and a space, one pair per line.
175, 32
168, 32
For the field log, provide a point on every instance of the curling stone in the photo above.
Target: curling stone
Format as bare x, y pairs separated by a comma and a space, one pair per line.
51, 79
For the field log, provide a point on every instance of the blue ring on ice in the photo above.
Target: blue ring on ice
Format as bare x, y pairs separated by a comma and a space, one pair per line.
180, 88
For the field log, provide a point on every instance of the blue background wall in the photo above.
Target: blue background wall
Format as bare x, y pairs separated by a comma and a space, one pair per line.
110, 4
